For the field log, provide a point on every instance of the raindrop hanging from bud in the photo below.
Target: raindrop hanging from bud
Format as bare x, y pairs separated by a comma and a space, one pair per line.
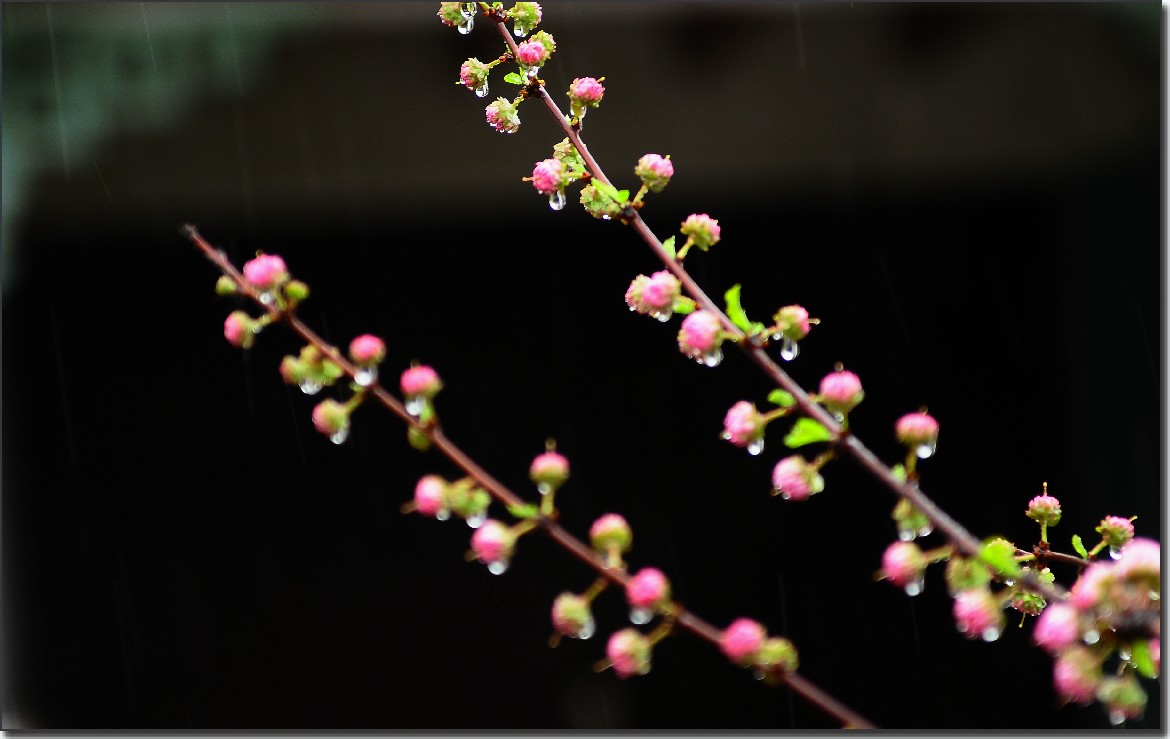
366, 376
639, 616
991, 633
755, 446
712, 358
914, 587
588, 629
476, 520
924, 451
482, 90
310, 387
497, 567
556, 201
789, 349
340, 435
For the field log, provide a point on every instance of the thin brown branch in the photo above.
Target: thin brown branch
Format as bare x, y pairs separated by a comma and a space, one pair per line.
498, 490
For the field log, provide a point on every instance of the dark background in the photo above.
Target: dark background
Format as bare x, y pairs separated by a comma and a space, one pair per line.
966, 195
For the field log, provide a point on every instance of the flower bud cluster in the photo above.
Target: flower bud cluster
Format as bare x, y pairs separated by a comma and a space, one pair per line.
655, 295
746, 643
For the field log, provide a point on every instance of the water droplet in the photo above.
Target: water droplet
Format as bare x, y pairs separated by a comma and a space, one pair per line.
482, 90
914, 587
1154, 595
267, 298
991, 633
414, 405
556, 201
758, 675
726, 436
713, 357
532, 72
257, 328
906, 534
1114, 553
605, 217
1117, 718
1091, 637
926, 530
443, 515
340, 435
662, 317
926, 450
520, 31
1009, 582
497, 567
1124, 654
310, 387
588, 629
789, 349
476, 520
639, 616
366, 376
785, 495
755, 446
466, 24
543, 488
581, 115
839, 416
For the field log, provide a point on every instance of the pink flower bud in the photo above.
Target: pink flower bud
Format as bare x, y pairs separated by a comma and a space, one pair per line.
701, 230
526, 15
1140, 559
473, 74
420, 381
571, 616
611, 532
430, 496
1086, 592
331, 418
451, 14
493, 543
655, 171
742, 640
647, 588
792, 322
548, 176
1044, 509
793, 478
265, 272
904, 564
1057, 627
586, 91
841, 391
743, 425
237, 329
367, 349
1116, 531
978, 615
502, 116
1076, 674
654, 295
777, 657
917, 429
531, 53
549, 470
699, 339
629, 651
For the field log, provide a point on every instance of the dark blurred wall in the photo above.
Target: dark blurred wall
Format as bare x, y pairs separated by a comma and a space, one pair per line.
967, 195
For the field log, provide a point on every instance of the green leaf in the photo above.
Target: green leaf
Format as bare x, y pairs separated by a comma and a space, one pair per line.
1142, 659
899, 473
806, 431
683, 305
514, 78
1000, 555
668, 246
781, 398
735, 310
622, 196
606, 190
523, 510
1079, 546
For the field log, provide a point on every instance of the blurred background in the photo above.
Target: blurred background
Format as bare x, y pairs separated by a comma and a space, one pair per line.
967, 196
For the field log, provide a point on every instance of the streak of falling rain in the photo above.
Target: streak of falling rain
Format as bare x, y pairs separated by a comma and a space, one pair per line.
799, 36
784, 631
61, 382
149, 43
57, 89
105, 187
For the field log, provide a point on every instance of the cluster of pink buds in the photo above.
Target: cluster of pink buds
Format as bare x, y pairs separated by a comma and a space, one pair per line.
310, 371
1113, 608
746, 643
700, 338
744, 426
655, 295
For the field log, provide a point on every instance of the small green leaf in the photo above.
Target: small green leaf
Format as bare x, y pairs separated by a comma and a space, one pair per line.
514, 78
735, 310
417, 439
899, 473
806, 431
523, 510
1079, 546
683, 305
1142, 659
781, 398
1000, 555
606, 190
668, 246
622, 196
